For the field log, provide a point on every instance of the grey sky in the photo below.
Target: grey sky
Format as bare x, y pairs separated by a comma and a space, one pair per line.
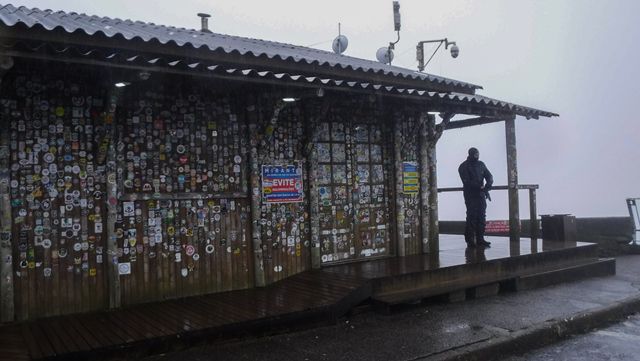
577, 58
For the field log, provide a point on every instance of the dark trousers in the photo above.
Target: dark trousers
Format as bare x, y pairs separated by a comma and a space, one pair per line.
476, 216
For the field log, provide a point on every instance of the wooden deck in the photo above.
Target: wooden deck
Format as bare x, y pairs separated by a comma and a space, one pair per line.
313, 297
310, 298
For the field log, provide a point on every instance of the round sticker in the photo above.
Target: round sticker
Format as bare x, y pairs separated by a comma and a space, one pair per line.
237, 159
46, 243
60, 111
190, 250
180, 149
196, 257
209, 248
77, 247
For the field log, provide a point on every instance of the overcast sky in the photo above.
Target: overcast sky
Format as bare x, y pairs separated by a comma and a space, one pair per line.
577, 58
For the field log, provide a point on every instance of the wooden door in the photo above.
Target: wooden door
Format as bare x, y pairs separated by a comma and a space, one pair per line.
353, 190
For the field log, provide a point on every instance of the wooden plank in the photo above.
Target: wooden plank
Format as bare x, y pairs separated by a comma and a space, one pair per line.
38, 346
152, 320
46, 334
87, 334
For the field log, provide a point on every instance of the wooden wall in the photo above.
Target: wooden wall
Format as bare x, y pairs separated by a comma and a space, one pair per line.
183, 211
57, 188
154, 191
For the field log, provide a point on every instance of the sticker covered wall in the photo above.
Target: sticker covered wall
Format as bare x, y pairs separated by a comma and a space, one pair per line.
57, 191
279, 173
182, 223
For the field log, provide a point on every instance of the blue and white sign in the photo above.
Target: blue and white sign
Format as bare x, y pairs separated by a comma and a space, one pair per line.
282, 184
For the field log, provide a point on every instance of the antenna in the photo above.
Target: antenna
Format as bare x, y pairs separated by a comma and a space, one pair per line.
385, 54
340, 43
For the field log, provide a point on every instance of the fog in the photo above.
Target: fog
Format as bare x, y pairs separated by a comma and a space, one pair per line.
576, 58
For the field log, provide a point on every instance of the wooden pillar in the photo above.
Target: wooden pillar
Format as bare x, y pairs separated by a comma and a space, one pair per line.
424, 181
107, 152
533, 214
257, 135
512, 179
7, 311
397, 151
314, 199
434, 229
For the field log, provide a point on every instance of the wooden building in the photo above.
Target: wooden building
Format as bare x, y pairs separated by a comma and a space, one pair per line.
144, 162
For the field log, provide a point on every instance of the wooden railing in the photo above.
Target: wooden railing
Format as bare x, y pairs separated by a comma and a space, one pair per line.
533, 211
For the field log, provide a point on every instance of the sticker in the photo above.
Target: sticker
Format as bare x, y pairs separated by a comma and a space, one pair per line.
124, 268
209, 248
190, 250
129, 209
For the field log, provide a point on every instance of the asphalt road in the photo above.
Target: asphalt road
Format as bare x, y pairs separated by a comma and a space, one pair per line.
616, 343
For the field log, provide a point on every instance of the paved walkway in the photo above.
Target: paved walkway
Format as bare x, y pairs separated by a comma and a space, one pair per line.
448, 331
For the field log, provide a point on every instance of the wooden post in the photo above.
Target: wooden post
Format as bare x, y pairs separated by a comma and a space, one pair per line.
424, 181
115, 296
7, 311
533, 212
256, 190
314, 199
397, 151
512, 179
434, 132
434, 229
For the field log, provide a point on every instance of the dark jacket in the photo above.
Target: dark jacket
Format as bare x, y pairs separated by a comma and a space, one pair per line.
473, 174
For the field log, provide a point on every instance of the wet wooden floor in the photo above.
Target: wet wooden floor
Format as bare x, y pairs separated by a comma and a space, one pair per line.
312, 297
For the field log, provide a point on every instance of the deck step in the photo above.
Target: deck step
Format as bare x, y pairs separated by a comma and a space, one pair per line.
537, 278
597, 268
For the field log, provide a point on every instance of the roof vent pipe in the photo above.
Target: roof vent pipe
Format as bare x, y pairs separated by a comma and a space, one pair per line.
205, 22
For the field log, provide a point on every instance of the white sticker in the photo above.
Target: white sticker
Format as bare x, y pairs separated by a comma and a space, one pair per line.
124, 268
129, 209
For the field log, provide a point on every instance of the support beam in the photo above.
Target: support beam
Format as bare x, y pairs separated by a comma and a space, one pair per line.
314, 199
434, 132
424, 181
533, 214
397, 152
472, 122
7, 311
107, 153
512, 180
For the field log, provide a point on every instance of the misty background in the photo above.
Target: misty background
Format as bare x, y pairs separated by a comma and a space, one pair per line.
577, 58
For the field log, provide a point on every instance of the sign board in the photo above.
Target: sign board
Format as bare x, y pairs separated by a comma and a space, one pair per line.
282, 184
497, 227
410, 178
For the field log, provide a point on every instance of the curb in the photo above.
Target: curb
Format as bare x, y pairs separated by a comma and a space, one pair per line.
543, 334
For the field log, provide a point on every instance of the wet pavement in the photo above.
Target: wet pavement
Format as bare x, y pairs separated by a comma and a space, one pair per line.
620, 342
426, 331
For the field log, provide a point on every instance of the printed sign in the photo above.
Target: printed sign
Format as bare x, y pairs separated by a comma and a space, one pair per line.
497, 227
282, 184
410, 178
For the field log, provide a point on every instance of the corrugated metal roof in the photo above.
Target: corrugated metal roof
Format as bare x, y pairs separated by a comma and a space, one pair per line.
117, 58
92, 25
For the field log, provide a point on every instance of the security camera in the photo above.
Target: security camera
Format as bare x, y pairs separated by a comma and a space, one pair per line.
455, 51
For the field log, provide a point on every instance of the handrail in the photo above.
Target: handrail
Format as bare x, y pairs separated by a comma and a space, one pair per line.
533, 211
519, 186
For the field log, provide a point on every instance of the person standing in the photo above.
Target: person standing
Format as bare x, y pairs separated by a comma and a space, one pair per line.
476, 182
